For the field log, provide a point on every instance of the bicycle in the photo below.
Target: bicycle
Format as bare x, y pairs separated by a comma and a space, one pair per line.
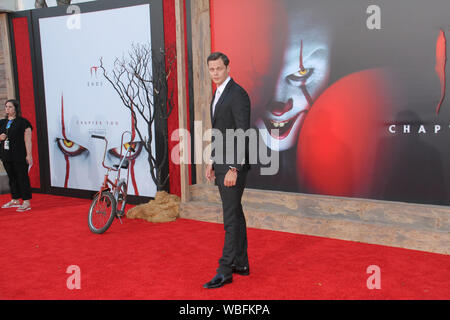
109, 202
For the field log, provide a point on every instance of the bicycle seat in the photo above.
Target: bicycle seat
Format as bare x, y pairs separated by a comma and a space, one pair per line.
124, 165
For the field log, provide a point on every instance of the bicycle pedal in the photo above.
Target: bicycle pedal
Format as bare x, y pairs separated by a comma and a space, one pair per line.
120, 213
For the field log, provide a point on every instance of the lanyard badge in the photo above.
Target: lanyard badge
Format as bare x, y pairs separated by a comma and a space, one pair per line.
6, 144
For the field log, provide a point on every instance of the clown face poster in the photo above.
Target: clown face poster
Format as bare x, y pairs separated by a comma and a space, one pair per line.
351, 94
80, 102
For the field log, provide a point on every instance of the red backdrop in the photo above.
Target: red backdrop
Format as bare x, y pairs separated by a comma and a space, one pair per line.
26, 88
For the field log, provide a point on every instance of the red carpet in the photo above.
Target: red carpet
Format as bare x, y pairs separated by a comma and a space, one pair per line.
142, 260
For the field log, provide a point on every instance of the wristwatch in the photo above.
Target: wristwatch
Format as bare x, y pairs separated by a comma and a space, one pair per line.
233, 169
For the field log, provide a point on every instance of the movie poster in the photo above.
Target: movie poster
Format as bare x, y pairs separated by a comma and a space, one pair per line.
81, 102
357, 91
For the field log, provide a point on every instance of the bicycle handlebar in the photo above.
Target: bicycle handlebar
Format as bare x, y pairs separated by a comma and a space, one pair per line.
130, 148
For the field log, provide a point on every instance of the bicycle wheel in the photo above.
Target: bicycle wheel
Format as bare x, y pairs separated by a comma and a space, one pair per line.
102, 212
120, 194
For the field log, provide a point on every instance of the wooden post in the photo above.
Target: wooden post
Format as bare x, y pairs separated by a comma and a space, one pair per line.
7, 90
201, 49
182, 101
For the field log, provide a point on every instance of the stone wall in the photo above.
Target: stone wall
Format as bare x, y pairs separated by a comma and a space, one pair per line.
396, 224
6, 69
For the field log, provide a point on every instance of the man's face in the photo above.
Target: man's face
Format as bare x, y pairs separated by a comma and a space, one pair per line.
303, 76
218, 71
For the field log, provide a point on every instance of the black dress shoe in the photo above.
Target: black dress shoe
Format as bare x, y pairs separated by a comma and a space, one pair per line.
243, 271
218, 281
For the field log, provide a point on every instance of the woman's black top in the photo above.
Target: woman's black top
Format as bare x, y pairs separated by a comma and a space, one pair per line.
16, 135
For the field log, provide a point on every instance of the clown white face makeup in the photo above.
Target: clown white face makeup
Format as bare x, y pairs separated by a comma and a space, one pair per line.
303, 76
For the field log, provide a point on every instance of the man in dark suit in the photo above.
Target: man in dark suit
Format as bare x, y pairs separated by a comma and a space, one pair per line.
230, 111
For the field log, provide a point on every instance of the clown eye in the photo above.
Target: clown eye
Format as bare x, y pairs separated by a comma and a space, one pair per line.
69, 148
136, 145
299, 77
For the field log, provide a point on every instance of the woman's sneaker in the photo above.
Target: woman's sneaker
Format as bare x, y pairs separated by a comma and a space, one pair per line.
11, 204
24, 207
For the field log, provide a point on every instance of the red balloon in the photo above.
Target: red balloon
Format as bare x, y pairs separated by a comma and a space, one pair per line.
338, 147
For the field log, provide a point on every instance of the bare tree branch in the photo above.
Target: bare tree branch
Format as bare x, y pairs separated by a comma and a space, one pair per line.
142, 80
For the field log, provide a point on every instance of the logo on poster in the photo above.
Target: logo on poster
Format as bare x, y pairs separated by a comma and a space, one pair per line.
94, 81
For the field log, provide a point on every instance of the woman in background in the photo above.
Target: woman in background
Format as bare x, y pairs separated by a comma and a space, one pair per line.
15, 153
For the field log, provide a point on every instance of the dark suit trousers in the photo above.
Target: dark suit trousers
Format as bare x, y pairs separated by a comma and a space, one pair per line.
235, 244
19, 182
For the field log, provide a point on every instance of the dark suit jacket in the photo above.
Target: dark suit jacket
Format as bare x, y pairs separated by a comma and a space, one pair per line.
232, 112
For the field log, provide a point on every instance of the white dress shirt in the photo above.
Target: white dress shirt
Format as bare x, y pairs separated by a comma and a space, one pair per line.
219, 91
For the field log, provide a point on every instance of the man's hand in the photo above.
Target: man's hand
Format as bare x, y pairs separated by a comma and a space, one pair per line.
209, 174
2, 137
29, 159
230, 178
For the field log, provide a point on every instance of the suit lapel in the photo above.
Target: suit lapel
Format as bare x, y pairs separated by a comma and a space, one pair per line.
221, 99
